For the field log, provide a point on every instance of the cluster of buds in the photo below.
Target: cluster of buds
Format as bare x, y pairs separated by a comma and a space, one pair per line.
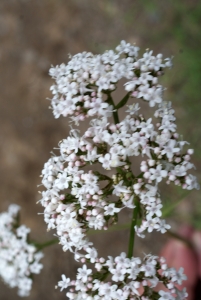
78, 198
19, 259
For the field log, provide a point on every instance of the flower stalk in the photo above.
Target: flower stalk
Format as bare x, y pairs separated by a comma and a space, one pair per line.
115, 111
41, 246
132, 228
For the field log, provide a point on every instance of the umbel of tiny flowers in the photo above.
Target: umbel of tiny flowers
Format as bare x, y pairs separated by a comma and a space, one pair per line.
19, 259
130, 278
77, 199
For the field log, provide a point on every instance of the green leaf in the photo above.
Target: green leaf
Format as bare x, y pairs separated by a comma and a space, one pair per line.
119, 170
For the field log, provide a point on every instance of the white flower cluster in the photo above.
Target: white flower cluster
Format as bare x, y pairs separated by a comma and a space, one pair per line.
130, 279
80, 86
18, 259
78, 198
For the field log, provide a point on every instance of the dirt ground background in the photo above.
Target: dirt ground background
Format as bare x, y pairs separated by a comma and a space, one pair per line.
37, 33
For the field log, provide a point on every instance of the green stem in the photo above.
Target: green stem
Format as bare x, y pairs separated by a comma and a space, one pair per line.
127, 225
115, 113
46, 244
132, 229
123, 101
136, 209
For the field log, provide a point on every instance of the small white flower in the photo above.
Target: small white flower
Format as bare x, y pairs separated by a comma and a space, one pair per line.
157, 173
179, 276
165, 296
92, 254
64, 283
133, 109
105, 160
83, 273
111, 210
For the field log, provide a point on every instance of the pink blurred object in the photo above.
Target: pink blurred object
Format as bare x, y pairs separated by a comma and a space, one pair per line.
177, 255
186, 231
195, 237
196, 240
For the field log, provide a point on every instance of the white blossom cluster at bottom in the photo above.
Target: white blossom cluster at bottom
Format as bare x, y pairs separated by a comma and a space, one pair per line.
129, 279
18, 259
